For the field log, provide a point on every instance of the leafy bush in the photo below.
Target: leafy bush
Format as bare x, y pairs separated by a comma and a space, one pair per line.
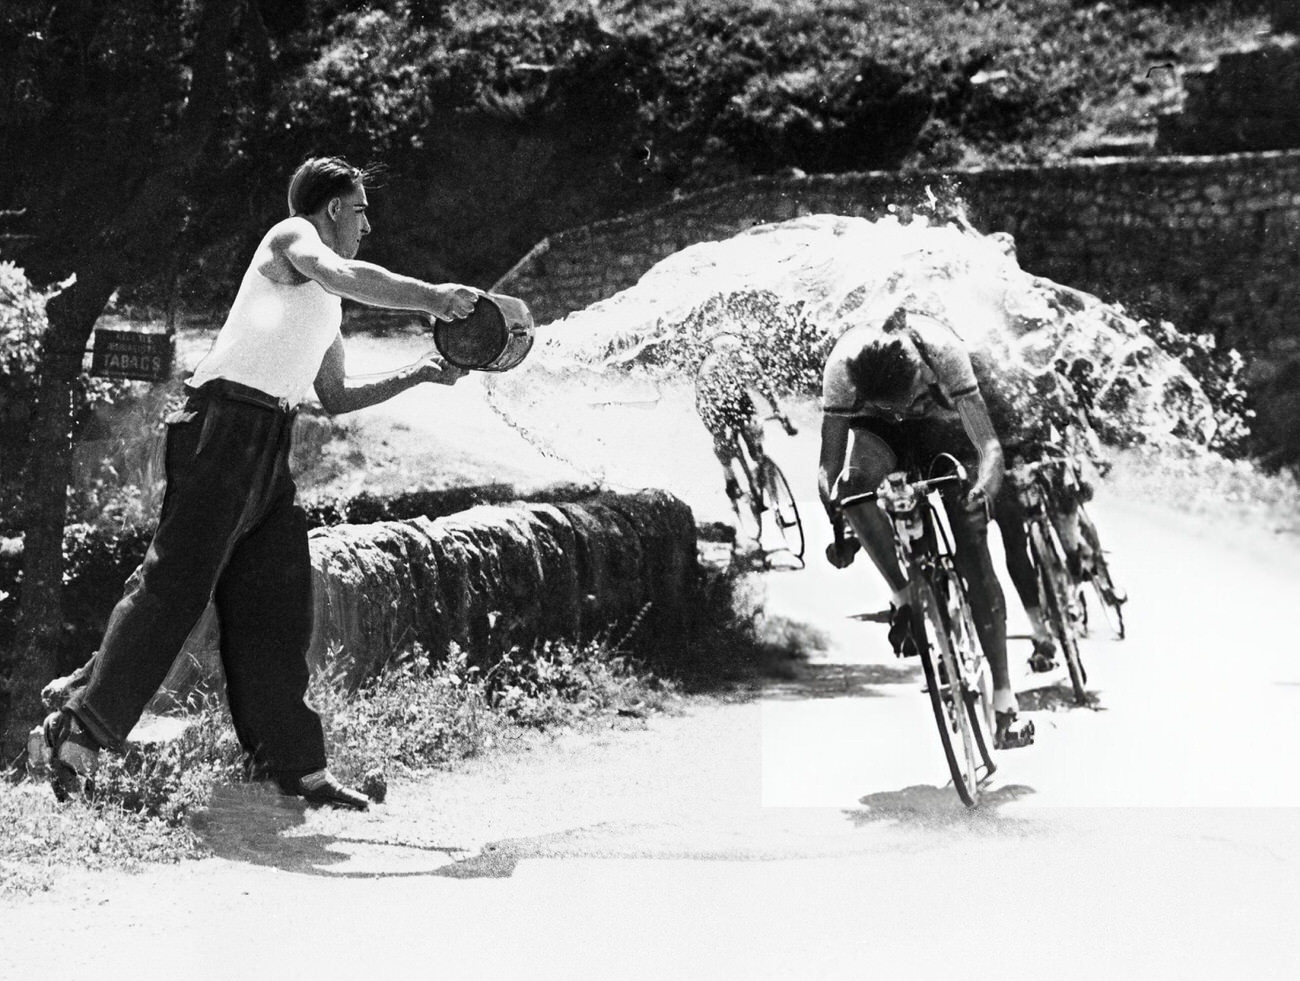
415, 716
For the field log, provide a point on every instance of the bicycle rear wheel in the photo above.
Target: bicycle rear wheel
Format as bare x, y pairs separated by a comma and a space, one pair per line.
1110, 597
959, 694
783, 510
1056, 587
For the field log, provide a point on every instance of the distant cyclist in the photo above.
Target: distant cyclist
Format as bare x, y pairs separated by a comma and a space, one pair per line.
729, 382
897, 395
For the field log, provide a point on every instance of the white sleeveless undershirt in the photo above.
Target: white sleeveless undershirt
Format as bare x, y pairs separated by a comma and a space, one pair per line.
274, 337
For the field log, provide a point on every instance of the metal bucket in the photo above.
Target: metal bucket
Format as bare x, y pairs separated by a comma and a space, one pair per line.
496, 336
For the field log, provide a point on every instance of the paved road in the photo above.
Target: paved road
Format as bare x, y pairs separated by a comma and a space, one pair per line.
804, 834
807, 833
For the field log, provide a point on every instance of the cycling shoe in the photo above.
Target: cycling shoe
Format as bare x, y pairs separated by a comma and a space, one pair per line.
1009, 734
900, 631
1044, 656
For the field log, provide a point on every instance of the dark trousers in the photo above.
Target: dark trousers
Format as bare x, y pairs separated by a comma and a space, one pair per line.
229, 531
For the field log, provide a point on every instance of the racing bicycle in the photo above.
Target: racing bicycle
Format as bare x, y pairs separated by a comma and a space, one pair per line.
766, 498
1036, 485
956, 674
1092, 574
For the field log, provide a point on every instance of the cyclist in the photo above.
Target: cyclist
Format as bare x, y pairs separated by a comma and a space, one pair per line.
896, 395
727, 382
1035, 413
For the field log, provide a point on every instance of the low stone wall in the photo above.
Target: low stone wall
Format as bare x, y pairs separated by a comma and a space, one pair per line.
487, 579
1211, 243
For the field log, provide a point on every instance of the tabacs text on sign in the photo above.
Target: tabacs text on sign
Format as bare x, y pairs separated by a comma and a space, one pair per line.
131, 354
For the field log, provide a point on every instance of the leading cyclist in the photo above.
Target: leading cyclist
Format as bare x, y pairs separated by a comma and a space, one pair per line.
896, 395
726, 383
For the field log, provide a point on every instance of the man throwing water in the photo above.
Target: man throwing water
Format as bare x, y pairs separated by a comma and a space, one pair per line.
230, 530
896, 395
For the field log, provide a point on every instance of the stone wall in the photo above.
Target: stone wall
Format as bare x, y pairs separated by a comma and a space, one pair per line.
487, 579
1245, 101
1211, 243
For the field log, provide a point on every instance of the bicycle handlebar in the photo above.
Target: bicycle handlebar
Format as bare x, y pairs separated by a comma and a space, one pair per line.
916, 488
784, 420
1028, 469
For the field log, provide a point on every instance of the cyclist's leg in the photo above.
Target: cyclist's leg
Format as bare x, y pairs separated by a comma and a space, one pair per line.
751, 430
871, 458
724, 448
1010, 516
1065, 519
988, 607
870, 461
1063, 511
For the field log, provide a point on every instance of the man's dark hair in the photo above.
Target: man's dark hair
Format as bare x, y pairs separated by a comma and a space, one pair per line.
884, 368
320, 179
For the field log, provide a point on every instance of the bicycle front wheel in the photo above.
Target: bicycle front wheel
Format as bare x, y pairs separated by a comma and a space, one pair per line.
1056, 588
955, 680
1110, 597
783, 510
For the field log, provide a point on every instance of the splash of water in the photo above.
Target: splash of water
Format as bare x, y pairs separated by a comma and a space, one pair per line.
792, 288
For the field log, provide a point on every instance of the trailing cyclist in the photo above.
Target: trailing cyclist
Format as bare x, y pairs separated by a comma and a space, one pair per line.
1037, 415
894, 396
727, 382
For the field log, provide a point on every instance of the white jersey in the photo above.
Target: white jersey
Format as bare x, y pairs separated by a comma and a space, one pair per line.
274, 337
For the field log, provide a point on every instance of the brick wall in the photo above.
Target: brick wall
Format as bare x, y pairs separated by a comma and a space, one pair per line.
1211, 243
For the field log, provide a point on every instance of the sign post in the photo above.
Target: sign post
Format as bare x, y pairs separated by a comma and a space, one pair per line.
131, 354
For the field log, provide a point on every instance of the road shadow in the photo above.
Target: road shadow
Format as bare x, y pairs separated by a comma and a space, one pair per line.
835, 680
1058, 697
939, 809
879, 616
256, 825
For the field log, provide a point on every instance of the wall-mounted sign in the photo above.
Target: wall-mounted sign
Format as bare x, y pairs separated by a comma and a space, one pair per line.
131, 354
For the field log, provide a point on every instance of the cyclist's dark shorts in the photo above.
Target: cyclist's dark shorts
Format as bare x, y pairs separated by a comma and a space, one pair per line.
916, 442
724, 417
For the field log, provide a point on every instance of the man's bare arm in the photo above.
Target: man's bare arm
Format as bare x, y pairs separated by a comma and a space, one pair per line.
338, 393
979, 430
367, 282
834, 446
